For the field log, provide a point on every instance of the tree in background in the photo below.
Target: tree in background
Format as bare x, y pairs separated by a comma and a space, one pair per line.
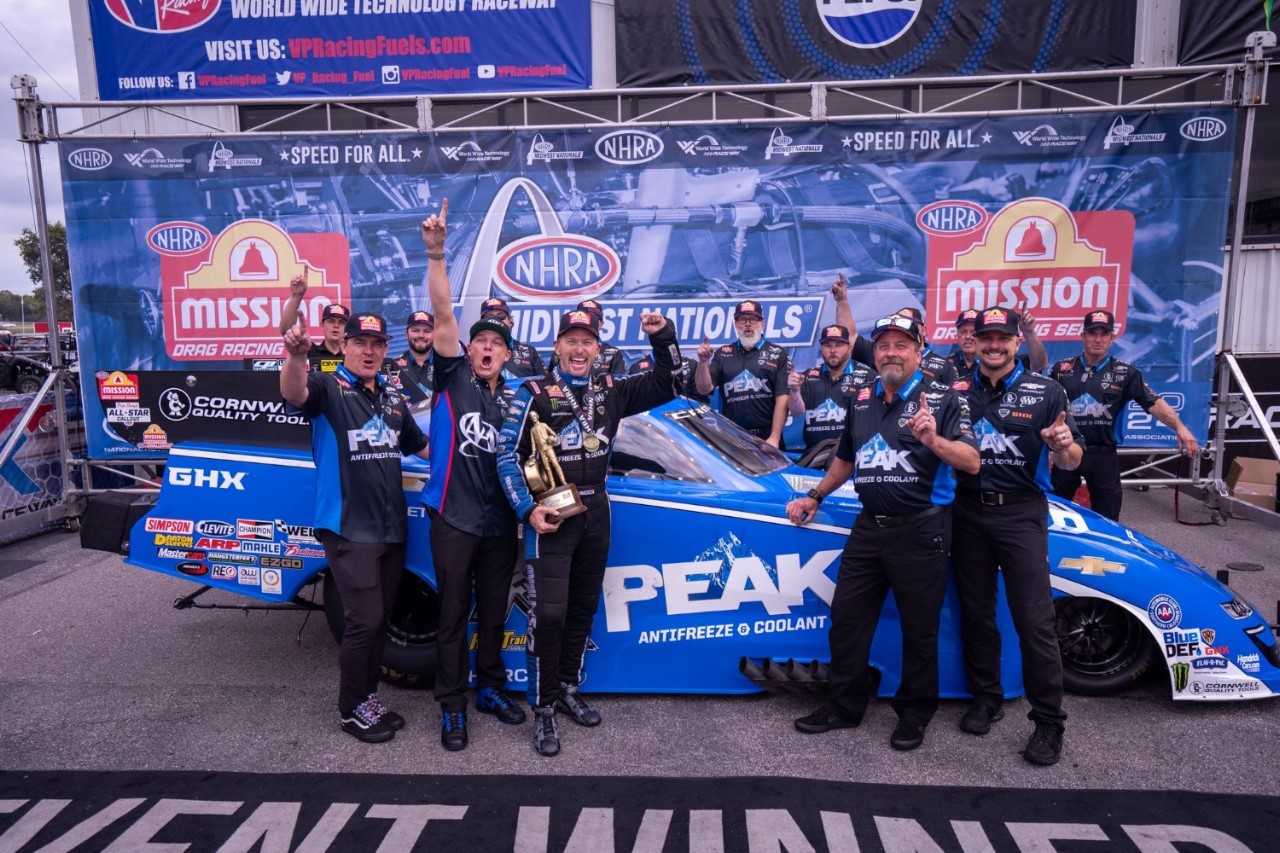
28, 244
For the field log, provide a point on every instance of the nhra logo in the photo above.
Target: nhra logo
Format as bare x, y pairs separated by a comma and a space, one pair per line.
1203, 129
783, 146
163, 16
542, 150
868, 23
224, 158
629, 147
951, 217
178, 238
89, 159
1121, 133
559, 267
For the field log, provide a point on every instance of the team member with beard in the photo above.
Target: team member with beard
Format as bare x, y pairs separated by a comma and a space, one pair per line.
823, 393
751, 375
360, 427
473, 531
565, 556
525, 360
413, 368
904, 436
965, 358
1022, 424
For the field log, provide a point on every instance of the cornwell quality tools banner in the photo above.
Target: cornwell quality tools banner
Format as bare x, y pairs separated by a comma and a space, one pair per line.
182, 250
665, 42
185, 49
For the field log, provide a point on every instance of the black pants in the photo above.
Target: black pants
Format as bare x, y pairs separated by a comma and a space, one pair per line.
1013, 539
910, 559
564, 571
368, 578
1100, 469
465, 562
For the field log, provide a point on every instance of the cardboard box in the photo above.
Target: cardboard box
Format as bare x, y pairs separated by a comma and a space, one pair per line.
1254, 481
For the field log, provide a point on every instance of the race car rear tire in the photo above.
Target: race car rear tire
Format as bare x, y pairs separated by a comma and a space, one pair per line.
409, 656
1104, 648
28, 384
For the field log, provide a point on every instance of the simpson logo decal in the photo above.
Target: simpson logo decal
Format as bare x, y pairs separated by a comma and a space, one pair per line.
167, 525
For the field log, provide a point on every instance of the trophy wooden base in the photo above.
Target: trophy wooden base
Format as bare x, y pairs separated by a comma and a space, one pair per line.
563, 500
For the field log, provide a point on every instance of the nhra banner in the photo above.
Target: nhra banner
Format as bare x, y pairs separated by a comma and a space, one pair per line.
187, 49
182, 250
697, 42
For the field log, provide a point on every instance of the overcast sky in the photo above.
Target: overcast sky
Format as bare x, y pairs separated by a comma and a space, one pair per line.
43, 28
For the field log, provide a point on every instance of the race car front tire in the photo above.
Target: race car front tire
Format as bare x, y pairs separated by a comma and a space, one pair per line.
1105, 650
409, 657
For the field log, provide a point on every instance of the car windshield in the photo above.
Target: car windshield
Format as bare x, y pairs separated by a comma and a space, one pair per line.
743, 451
642, 450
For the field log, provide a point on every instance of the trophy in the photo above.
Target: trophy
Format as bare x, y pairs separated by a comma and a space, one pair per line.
543, 473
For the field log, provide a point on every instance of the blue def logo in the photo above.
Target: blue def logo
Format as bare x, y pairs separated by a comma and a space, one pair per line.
868, 23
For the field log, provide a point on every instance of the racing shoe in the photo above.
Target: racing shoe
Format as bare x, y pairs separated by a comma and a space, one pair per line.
546, 734
364, 724
906, 736
1045, 746
979, 718
824, 719
571, 702
453, 730
391, 718
496, 701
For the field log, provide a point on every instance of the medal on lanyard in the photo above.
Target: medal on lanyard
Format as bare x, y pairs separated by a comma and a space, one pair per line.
590, 441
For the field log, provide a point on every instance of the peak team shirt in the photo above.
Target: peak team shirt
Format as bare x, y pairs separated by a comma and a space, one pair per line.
894, 473
414, 380
750, 381
524, 361
827, 396
466, 416
1007, 419
1099, 394
688, 367
357, 439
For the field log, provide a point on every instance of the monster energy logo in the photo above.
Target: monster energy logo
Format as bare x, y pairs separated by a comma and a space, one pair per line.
1180, 673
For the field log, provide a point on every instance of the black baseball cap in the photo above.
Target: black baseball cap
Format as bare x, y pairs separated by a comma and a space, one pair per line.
579, 320
494, 305
423, 317
367, 324
748, 307
834, 333
1100, 320
592, 307
333, 309
916, 315
898, 323
997, 320
969, 316
491, 325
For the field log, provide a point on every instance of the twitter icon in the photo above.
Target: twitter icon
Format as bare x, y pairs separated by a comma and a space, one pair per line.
282, 77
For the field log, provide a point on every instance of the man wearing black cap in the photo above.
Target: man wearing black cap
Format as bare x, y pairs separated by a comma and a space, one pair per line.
360, 428
473, 530
413, 367
904, 436
1022, 425
525, 360
965, 358
333, 323
935, 366
1099, 388
751, 374
578, 411
610, 359
822, 394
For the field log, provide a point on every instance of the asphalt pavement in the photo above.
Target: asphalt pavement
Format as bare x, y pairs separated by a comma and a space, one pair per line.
99, 672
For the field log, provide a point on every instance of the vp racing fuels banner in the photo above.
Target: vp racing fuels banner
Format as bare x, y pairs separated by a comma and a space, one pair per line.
186, 49
671, 42
182, 250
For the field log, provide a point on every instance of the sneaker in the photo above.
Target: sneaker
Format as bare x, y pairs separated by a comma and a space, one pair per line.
906, 736
453, 730
825, 719
1045, 746
364, 724
571, 702
978, 719
496, 701
546, 734
391, 718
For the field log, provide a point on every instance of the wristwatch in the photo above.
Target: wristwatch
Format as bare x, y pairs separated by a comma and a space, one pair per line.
816, 495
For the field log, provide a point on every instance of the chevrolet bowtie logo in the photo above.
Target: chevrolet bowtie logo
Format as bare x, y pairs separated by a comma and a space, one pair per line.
1095, 566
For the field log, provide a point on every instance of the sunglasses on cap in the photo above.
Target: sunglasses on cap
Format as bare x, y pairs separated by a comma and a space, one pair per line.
897, 321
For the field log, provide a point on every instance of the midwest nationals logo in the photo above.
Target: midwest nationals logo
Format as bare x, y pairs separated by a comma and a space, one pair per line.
1035, 252
868, 23
223, 296
163, 16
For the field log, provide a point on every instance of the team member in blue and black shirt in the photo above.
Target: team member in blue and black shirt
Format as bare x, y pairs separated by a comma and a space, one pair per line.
1099, 387
565, 557
751, 375
904, 436
1022, 425
525, 360
473, 530
965, 358
413, 367
360, 426
610, 359
685, 384
822, 394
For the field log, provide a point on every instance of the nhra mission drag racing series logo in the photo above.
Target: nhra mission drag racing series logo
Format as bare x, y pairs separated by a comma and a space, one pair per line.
1060, 264
223, 294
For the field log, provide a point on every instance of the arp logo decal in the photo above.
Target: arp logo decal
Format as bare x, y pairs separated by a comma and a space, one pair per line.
868, 23
163, 16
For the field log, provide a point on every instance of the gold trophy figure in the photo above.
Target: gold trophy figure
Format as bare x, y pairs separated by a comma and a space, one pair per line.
543, 473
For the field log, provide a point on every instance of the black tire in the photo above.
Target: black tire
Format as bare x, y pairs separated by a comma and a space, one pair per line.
409, 657
28, 384
1105, 650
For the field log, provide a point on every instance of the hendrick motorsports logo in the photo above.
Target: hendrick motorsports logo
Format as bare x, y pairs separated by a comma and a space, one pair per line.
224, 158
542, 150
707, 145
1045, 136
153, 158
783, 146
868, 23
470, 152
1121, 133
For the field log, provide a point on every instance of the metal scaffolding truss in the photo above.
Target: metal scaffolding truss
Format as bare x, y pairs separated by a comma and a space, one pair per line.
953, 97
